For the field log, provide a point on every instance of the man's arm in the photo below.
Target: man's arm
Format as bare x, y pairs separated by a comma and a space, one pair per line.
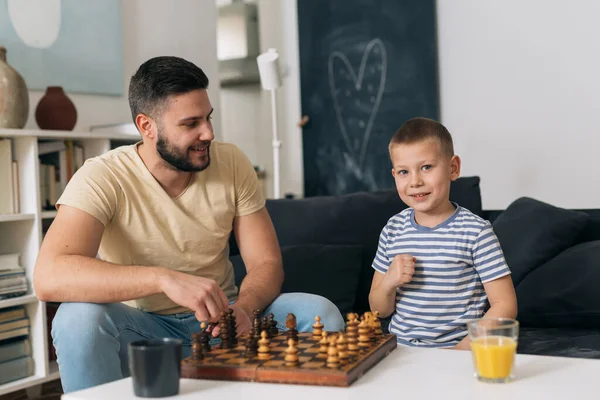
257, 241
67, 271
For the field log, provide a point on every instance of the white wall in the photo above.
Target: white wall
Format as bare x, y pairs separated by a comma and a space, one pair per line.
520, 91
247, 107
184, 28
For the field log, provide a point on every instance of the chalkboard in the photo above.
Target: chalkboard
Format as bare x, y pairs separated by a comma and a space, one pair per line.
366, 66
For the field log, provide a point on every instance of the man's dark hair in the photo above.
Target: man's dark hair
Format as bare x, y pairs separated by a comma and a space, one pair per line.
157, 79
418, 129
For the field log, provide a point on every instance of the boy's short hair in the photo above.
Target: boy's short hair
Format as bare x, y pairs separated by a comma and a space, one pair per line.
418, 129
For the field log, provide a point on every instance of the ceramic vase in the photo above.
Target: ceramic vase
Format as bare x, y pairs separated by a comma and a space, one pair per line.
14, 98
56, 111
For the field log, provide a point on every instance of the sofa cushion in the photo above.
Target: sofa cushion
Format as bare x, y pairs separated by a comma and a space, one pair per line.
331, 271
564, 291
466, 192
532, 232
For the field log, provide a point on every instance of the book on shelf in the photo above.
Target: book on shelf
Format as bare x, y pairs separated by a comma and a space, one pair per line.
15, 323
15, 348
58, 161
9, 196
13, 281
18, 368
12, 313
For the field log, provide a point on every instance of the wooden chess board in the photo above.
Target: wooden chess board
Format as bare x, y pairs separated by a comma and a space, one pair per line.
231, 364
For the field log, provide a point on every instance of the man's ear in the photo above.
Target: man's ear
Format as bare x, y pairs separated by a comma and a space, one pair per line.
146, 126
454, 167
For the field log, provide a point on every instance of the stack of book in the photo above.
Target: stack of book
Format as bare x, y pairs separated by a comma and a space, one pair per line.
15, 347
13, 281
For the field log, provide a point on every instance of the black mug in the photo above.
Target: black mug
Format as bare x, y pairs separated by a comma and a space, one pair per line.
155, 366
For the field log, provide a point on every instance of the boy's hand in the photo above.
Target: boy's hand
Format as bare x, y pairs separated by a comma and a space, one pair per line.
401, 271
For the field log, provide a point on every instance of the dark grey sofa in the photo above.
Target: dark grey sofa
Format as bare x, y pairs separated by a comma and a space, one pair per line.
328, 244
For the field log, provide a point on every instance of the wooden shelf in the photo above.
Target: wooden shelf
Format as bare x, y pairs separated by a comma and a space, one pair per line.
43, 134
17, 301
16, 217
48, 214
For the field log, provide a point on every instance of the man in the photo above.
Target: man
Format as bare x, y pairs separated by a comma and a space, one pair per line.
159, 215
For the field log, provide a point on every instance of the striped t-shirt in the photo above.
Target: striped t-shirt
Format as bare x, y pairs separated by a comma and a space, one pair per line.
453, 260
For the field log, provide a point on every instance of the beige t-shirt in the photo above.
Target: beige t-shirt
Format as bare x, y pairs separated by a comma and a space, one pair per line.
145, 226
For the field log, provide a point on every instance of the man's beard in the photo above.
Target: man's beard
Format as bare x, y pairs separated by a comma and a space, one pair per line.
178, 159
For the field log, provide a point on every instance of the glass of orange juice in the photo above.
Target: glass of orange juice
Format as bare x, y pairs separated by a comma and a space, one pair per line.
493, 346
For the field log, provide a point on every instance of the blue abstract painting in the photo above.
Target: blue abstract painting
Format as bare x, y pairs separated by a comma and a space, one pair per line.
70, 43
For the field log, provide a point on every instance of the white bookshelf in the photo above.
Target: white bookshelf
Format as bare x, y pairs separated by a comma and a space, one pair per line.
22, 232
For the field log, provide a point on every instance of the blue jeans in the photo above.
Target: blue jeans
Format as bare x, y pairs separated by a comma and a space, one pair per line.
91, 339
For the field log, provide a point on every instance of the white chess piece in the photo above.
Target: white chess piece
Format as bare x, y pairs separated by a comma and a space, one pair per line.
37, 22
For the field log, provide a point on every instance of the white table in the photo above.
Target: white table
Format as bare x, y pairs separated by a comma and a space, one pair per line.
404, 374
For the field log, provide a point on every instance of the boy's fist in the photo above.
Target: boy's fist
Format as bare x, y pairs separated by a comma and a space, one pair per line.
401, 271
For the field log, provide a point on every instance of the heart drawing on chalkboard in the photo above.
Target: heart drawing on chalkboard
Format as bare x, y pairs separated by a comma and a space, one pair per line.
357, 95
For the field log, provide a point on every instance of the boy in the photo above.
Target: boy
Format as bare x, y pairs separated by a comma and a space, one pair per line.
437, 263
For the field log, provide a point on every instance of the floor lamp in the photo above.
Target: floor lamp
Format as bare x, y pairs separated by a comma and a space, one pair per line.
270, 79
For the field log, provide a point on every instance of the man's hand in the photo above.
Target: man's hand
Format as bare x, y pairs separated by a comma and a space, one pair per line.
242, 319
202, 295
401, 271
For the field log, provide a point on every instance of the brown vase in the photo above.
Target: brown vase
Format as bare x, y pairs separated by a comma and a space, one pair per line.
56, 111
14, 98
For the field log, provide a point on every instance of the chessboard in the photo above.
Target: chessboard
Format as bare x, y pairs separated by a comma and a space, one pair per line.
309, 358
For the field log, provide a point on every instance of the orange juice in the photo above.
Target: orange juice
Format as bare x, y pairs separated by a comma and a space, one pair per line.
493, 356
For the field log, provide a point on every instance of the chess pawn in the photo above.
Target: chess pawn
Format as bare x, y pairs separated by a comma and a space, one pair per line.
342, 349
363, 335
332, 354
324, 344
291, 354
273, 330
264, 351
317, 328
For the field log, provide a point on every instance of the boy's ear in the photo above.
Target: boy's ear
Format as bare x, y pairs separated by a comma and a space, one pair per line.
393, 173
454, 167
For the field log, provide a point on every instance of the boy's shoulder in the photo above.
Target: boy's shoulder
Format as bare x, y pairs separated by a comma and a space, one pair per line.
467, 217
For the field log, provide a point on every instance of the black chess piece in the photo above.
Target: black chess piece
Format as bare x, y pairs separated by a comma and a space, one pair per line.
251, 347
204, 340
224, 330
197, 351
265, 326
256, 324
232, 327
273, 330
